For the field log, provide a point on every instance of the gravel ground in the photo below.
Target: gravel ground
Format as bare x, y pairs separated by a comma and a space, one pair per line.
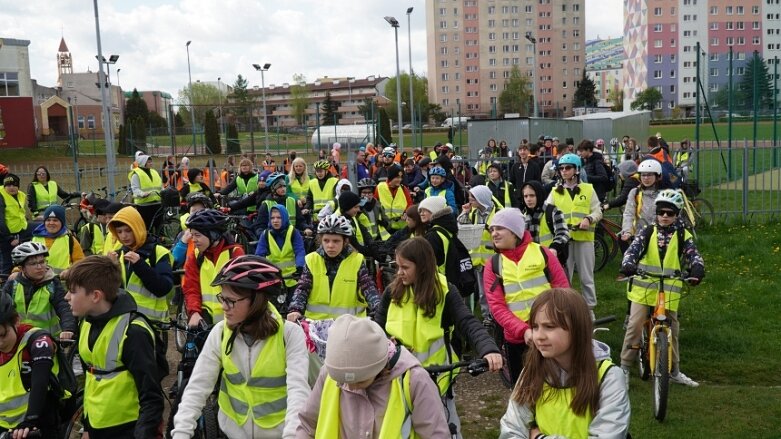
481, 402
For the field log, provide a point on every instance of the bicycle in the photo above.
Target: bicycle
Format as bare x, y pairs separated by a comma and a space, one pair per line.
655, 349
609, 230
497, 333
698, 210
240, 230
472, 367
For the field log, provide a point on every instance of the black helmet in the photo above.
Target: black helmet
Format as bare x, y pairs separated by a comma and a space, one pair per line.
208, 220
199, 197
8, 312
365, 183
251, 272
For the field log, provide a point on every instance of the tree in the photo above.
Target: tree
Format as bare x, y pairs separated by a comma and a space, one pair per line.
436, 113
137, 117
204, 97
764, 89
122, 147
647, 99
420, 96
368, 109
585, 95
178, 121
616, 98
212, 133
240, 95
232, 141
328, 110
299, 98
517, 94
383, 121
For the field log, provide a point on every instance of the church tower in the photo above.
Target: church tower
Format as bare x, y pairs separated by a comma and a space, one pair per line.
64, 62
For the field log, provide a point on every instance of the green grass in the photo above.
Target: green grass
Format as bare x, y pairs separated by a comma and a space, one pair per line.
740, 130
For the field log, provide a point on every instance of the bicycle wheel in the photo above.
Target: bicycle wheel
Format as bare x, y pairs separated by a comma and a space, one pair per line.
180, 338
504, 373
644, 362
208, 425
601, 252
661, 376
703, 211
72, 425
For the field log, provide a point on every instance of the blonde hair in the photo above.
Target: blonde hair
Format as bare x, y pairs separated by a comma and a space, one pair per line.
245, 161
292, 174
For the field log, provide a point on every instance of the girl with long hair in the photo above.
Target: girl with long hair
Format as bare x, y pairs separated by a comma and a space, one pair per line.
298, 181
568, 387
261, 360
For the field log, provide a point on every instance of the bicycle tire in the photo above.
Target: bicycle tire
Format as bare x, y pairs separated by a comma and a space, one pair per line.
661, 376
211, 427
601, 252
180, 338
73, 427
644, 362
504, 372
703, 211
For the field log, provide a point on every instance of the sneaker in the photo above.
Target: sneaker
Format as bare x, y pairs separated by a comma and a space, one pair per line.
681, 378
625, 369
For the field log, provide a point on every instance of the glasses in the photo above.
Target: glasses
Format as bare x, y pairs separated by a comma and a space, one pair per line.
566, 167
33, 264
229, 303
667, 213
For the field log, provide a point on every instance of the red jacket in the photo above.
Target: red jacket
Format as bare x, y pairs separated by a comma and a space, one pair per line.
191, 286
514, 328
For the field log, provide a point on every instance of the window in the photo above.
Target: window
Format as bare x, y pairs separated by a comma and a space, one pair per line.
714, 72
714, 10
90, 122
491, 10
755, 10
714, 41
739, 71
492, 36
442, 12
658, 12
445, 77
672, 89
491, 23
9, 84
739, 10
658, 27
657, 74
564, 84
445, 89
657, 43
443, 38
713, 57
492, 74
491, 49
755, 25
443, 24
443, 63
739, 25
81, 122
443, 50
729, 10
755, 40
657, 59
714, 25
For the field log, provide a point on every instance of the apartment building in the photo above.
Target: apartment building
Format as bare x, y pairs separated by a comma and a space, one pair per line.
604, 65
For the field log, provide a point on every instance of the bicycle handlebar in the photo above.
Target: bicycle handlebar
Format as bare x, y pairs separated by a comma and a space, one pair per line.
473, 367
173, 324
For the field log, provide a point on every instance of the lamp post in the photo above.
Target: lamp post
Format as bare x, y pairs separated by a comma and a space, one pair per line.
107, 132
222, 119
350, 80
263, 90
192, 107
534, 70
411, 77
118, 70
395, 25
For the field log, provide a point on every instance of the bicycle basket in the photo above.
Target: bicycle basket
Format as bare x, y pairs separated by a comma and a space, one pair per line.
169, 197
470, 234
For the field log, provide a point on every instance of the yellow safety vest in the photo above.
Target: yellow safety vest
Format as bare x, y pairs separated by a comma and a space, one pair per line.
445, 247
156, 308
683, 157
485, 250
15, 211
290, 206
110, 392
423, 336
13, 395
285, 257
208, 292
524, 281
111, 244
98, 238
545, 235
553, 411
147, 184
330, 302
45, 195
39, 312
321, 196
297, 189
264, 393
575, 209
356, 227
507, 201
59, 258
394, 207
643, 290
370, 226
396, 423
244, 188
432, 155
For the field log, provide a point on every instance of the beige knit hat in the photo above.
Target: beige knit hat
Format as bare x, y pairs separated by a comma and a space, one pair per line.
356, 351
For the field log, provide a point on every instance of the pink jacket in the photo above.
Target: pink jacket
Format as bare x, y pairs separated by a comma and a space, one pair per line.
514, 327
362, 411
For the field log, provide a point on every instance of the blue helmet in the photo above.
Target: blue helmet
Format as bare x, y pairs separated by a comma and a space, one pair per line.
570, 159
437, 170
274, 177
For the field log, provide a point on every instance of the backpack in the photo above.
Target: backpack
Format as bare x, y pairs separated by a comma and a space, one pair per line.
670, 177
458, 264
498, 281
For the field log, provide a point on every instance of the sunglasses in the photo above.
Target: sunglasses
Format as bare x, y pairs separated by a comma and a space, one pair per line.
667, 213
566, 167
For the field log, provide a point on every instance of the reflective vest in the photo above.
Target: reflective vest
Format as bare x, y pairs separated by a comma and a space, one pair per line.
298, 189
247, 187
13, 395
59, 258
110, 392
553, 411
575, 209
15, 211
682, 157
445, 247
394, 206
440, 192
423, 336
290, 206
156, 308
524, 281
195, 187
183, 220
396, 422
111, 244
507, 202
321, 196
208, 292
545, 235
482, 167
643, 290
285, 257
152, 184
264, 393
39, 312
355, 223
45, 195
330, 302
485, 250
98, 238
432, 155
372, 227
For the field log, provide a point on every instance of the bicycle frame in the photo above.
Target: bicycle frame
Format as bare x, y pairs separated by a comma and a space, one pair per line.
658, 322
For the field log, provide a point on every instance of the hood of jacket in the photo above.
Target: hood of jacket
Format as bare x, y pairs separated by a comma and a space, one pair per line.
130, 217
539, 191
123, 305
341, 184
285, 218
40, 230
445, 219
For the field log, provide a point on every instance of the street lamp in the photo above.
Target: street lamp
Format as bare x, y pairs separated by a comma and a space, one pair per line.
395, 25
118, 70
222, 119
263, 90
107, 131
411, 77
192, 107
350, 80
534, 70
111, 60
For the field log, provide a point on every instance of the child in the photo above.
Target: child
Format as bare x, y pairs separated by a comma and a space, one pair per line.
369, 387
568, 386
261, 360
350, 208
13, 227
665, 246
370, 208
640, 209
92, 236
122, 393
278, 194
283, 245
321, 189
545, 221
439, 186
64, 248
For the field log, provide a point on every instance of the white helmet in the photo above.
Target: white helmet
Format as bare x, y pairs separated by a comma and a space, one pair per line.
21, 252
650, 165
335, 225
670, 196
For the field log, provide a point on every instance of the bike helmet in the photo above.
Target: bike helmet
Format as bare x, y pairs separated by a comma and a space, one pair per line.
336, 225
199, 197
321, 164
389, 152
366, 183
437, 170
207, 220
671, 197
21, 252
614, 142
650, 166
275, 177
570, 159
8, 312
253, 273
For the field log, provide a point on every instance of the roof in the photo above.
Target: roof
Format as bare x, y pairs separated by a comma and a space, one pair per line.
63, 46
13, 42
325, 84
605, 54
613, 115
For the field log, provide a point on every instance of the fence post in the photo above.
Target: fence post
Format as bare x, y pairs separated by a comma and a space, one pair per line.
745, 179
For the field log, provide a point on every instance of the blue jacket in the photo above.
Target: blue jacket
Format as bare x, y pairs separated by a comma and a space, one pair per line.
279, 236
